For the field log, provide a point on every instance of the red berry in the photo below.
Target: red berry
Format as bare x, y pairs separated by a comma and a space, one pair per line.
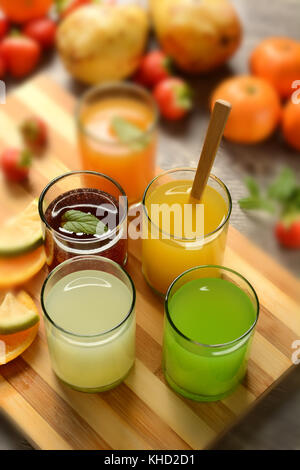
35, 133
4, 25
21, 54
174, 98
288, 232
155, 67
15, 164
42, 30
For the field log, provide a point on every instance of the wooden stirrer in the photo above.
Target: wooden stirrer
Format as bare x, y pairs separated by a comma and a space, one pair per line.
210, 147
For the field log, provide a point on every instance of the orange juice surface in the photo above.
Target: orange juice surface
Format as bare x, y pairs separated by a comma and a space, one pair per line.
129, 160
165, 258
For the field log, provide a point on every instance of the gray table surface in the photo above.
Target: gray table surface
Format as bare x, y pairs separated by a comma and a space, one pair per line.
274, 423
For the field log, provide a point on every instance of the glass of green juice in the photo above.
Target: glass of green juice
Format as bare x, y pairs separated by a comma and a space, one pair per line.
89, 310
210, 317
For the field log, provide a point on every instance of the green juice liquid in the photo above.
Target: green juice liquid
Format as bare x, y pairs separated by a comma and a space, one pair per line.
210, 311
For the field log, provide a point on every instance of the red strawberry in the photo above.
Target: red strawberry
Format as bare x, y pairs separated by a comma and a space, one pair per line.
155, 67
35, 133
287, 231
42, 30
174, 98
15, 164
4, 25
21, 54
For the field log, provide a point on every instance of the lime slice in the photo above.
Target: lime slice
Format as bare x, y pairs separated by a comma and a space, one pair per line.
17, 313
21, 233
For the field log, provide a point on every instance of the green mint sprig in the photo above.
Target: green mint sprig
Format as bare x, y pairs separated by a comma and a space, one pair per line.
80, 222
283, 195
130, 134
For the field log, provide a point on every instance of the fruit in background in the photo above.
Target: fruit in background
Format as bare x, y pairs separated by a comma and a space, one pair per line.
287, 232
19, 324
103, 42
3, 67
4, 25
291, 124
19, 269
21, 233
68, 7
174, 98
43, 30
20, 11
154, 67
21, 54
198, 35
277, 59
15, 164
65, 7
255, 108
35, 133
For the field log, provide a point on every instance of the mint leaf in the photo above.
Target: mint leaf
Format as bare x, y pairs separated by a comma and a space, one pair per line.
252, 186
284, 185
292, 204
130, 134
256, 203
81, 222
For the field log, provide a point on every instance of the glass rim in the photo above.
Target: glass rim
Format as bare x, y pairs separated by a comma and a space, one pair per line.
83, 172
80, 258
114, 86
191, 169
221, 345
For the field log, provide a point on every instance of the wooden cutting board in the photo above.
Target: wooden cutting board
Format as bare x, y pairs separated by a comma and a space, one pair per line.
142, 413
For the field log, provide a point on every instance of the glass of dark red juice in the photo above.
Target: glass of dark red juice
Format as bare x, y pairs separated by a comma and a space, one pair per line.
84, 212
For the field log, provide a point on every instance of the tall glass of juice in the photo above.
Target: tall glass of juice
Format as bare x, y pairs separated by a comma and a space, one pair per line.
210, 316
179, 233
89, 309
117, 135
83, 213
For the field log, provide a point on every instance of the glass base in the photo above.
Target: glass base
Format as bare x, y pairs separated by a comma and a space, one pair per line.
156, 292
104, 388
195, 397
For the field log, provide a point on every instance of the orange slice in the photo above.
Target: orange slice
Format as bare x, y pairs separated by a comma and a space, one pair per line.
14, 344
19, 269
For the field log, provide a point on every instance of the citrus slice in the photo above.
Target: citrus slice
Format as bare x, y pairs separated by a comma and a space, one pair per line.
17, 313
17, 270
11, 346
21, 233
19, 324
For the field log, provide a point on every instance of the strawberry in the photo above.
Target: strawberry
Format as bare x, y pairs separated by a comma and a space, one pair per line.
42, 30
287, 232
21, 54
15, 164
35, 133
174, 98
154, 67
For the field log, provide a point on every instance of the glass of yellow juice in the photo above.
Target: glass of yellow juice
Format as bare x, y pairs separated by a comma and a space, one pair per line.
117, 134
89, 311
179, 233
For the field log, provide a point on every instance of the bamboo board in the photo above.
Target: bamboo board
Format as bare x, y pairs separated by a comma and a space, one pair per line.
142, 413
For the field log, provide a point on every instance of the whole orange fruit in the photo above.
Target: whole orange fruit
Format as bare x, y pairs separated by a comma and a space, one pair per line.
255, 108
291, 124
20, 11
277, 60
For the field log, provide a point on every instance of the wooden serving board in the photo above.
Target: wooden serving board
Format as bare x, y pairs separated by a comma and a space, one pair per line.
143, 412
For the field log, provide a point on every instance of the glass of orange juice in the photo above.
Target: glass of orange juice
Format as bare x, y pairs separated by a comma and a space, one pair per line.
179, 233
117, 133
